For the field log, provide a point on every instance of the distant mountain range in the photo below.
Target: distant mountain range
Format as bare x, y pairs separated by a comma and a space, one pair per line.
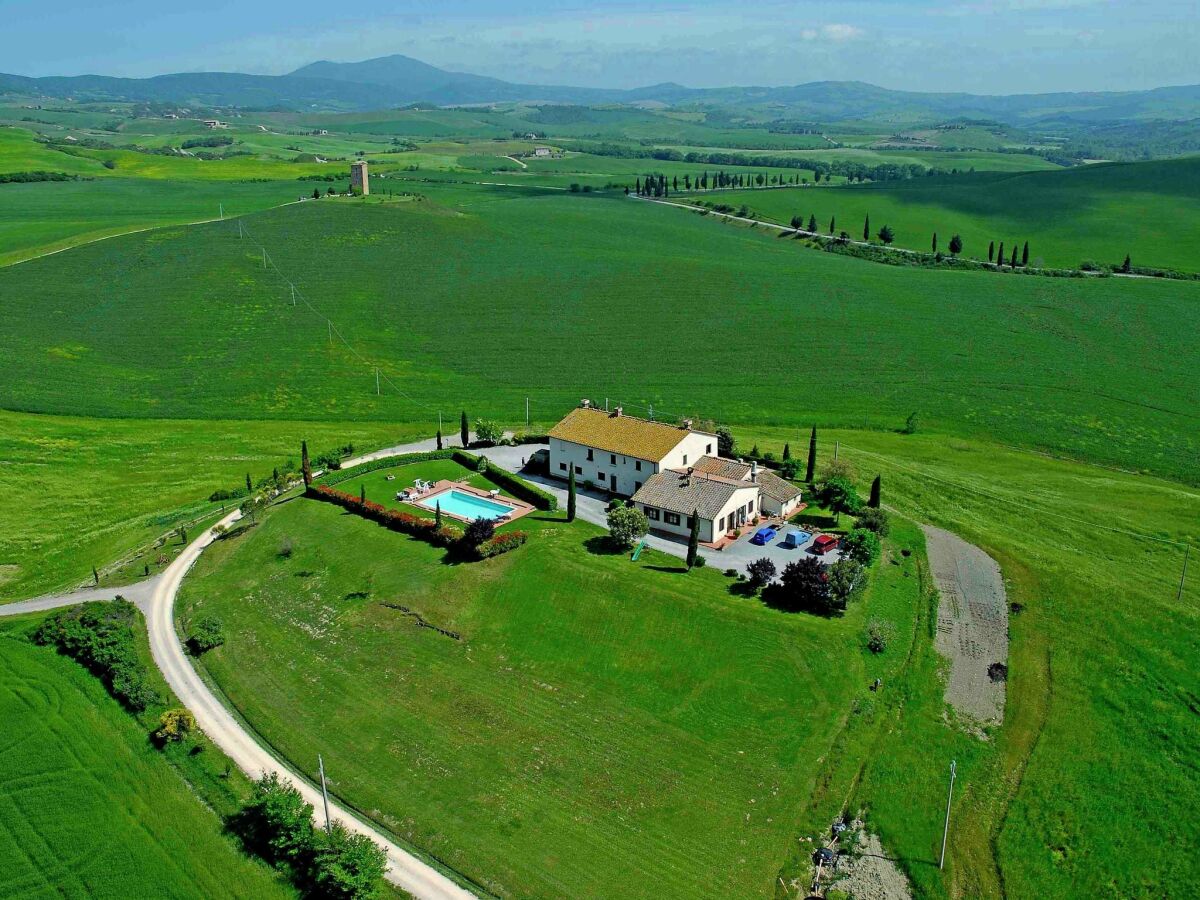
391, 81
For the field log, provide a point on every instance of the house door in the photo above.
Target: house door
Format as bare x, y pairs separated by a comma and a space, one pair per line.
612, 480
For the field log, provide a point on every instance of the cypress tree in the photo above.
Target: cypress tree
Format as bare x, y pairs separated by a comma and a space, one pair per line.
832, 223
867, 228
812, 224
437, 514
571, 496
464, 432
787, 451
249, 484
694, 540
935, 242
812, 456
362, 493
439, 439
1000, 256
1012, 264
875, 487
991, 250
637, 186
1127, 266
305, 468
1025, 254
95, 576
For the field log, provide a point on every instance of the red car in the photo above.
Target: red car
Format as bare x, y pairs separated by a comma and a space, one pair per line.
824, 543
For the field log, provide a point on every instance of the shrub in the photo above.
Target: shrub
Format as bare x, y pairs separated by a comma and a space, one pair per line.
501, 543
626, 526
207, 633
175, 725
699, 562
732, 573
100, 636
789, 469
487, 432
285, 548
478, 531
222, 494
344, 865
862, 545
876, 520
804, 587
761, 571
277, 824
879, 635
847, 577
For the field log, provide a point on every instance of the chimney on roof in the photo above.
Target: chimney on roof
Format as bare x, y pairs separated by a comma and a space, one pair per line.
585, 403
617, 411
753, 472
687, 425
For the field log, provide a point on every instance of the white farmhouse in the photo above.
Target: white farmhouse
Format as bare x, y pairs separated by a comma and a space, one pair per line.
619, 453
671, 472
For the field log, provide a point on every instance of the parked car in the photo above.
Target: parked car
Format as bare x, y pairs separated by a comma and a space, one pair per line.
538, 462
825, 542
794, 539
764, 536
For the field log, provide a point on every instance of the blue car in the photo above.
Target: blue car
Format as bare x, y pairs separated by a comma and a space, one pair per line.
764, 536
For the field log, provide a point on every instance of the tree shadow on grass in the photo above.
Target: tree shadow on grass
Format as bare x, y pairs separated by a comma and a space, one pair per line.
677, 570
602, 545
743, 589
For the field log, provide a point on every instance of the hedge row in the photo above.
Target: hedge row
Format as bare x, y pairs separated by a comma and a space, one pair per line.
518, 487
100, 636
385, 462
416, 526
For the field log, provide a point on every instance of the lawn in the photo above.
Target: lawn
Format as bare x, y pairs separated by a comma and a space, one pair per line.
1100, 213
602, 728
1026, 361
90, 807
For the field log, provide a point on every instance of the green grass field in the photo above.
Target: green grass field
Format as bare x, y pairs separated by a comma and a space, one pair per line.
602, 728
90, 807
1100, 213
1027, 361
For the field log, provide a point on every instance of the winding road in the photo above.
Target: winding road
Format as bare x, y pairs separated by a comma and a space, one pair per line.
156, 599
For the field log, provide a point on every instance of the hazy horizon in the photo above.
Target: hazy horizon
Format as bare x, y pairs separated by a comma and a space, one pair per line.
1005, 47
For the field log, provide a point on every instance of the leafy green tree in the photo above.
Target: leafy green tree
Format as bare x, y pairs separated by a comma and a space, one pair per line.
626, 526
847, 577
873, 502
277, 823
761, 572
797, 223
571, 496
789, 469
488, 431
316, 193
874, 519
693, 549
887, 235
861, 544
838, 494
208, 633
911, 423
464, 433
175, 725
812, 456
346, 866
956, 245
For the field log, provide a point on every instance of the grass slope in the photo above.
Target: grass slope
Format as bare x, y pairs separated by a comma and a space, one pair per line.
77, 493
90, 808
1101, 212
509, 294
602, 728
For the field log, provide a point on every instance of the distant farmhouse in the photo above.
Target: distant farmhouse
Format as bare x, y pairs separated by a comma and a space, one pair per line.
542, 151
215, 123
670, 472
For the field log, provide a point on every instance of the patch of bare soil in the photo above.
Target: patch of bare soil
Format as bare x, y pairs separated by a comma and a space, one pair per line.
972, 625
865, 871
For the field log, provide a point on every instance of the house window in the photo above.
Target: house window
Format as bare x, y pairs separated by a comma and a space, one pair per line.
638, 465
685, 459
562, 467
651, 513
612, 458
671, 518
750, 506
721, 524
589, 454
708, 449
601, 477
579, 470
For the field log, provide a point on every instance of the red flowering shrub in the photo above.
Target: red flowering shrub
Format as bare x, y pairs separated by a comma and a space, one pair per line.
501, 543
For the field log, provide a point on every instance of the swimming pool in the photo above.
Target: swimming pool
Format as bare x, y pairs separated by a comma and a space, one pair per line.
466, 506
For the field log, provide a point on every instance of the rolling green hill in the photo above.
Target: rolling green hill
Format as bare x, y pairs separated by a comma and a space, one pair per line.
1150, 210
186, 322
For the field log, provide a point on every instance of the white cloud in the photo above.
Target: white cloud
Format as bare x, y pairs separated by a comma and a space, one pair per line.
841, 32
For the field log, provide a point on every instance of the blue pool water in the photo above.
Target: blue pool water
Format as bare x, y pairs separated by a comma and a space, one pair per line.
466, 506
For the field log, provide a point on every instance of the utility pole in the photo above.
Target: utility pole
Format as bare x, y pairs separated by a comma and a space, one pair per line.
324, 794
377, 382
240, 235
329, 323
949, 797
264, 257
293, 287
221, 207
526, 412
651, 412
836, 444
606, 404
1183, 575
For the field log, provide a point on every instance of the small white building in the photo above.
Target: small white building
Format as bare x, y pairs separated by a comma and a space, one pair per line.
542, 151
670, 500
619, 453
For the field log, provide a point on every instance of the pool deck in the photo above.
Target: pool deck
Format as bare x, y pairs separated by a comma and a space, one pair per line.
520, 507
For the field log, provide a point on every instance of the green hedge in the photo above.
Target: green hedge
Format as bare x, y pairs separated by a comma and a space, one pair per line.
518, 487
385, 462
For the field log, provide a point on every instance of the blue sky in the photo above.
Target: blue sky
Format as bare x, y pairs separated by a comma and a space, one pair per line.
983, 46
